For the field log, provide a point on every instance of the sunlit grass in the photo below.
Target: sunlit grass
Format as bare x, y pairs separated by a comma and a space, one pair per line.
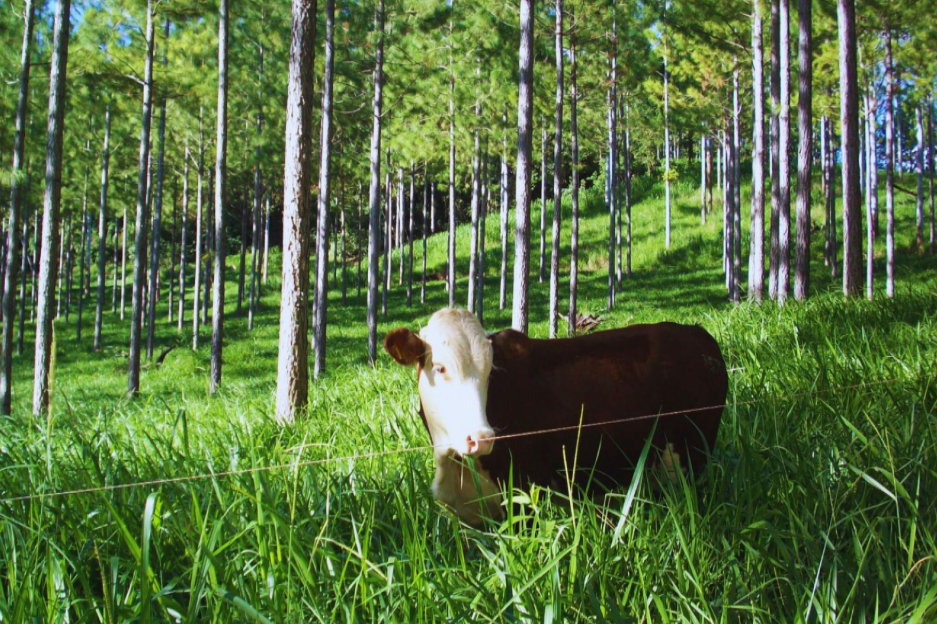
818, 504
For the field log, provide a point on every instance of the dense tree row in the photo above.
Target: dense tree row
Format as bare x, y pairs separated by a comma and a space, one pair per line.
457, 93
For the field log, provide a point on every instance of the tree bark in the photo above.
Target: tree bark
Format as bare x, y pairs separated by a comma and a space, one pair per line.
574, 146
410, 242
292, 364
50, 210
543, 199
849, 124
374, 190
666, 147
774, 252
522, 191
484, 197
756, 261
389, 227
425, 234
83, 245
200, 248
183, 242
17, 199
451, 274
21, 334
804, 153
502, 298
784, 150
930, 173
557, 176
325, 163
476, 200
157, 217
102, 230
919, 164
889, 169
736, 251
142, 216
221, 149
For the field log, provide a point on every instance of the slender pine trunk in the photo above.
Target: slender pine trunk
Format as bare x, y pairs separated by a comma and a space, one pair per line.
890, 157
574, 147
476, 201
221, 153
21, 334
756, 261
522, 183
184, 240
102, 230
83, 247
543, 198
292, 363
325, 163
919, 165
804, 153
557, 177
17, 201
784, 151
410, 242
503, 206
930, 173
200, 248
451, 274
374, 190
142, 215
774, 253
388, 231
425, 234
849, 124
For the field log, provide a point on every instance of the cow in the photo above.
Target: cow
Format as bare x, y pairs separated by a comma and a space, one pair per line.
526, 409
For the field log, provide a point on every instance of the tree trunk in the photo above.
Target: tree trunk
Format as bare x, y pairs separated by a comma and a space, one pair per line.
221, 150
325, 163
170, 303
21, 334
50, 209
870, 204
343, 254
410, 243
522, 184
574, 147
451, 274
157, 217
142, 216
503, 206
804, 154
784, 150
388, 227
627, 176
930, 173
292, 364
831, 196
890, 157
184, 239
849, 124
102, 230
65, 261
374, 190
610, 184
200, 248
666, 148
425, 234
483, 212
543, 198
209, 250
774, 253
756, 261
17, 199
476, 200
266, 235
557, 176
736, 190
919, 163
84, 244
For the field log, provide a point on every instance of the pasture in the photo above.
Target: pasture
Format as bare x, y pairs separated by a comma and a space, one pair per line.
818, 505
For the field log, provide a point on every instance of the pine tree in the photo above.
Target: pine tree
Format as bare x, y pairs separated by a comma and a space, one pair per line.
221, 152
102, 229
522, 200
374, 192
557, 176
804, 153
849, 124
756, 251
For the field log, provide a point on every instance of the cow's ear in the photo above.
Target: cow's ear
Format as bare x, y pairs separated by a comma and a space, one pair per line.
508, 344
404, 346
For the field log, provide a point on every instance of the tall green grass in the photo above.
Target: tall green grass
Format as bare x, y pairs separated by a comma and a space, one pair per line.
818, 504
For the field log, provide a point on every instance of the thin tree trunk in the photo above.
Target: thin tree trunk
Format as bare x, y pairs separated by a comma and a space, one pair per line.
17, 200
172, 251
410, 243
627, 175
756, 261
557, 176
157, 218
831, 197
849, 123
221, 149
325, 163
343, 254
84, 244
483, 212
476, 200
804, 154
21, 334
825, 177
784, 150
522, 184
209, 250
292, 364
266, 235
543, 198
930, 174
200, 248
890, 157
66, 262
184, 240
869, 215
142, 216
451, 275
610, 184
774, 252
666, 148
503, 206
401, 225
574, 147
736, 190
374, 190
50, 209
425, 234
102, 230
919, 162
388, 227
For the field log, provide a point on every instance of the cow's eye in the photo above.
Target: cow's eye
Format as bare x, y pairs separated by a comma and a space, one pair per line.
439, 369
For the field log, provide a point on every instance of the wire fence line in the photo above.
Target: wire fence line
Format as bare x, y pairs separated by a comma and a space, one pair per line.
412, 449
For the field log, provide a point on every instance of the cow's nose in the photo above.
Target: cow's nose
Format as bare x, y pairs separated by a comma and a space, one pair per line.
481, 443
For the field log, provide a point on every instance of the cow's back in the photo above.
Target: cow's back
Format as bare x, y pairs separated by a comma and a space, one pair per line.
616, 382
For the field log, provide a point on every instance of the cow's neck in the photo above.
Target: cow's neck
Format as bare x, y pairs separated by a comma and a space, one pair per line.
470, 494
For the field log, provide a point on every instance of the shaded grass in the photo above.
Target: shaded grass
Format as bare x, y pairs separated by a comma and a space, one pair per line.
818, 504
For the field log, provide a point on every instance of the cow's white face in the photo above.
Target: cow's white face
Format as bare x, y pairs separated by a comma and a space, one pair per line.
453, 357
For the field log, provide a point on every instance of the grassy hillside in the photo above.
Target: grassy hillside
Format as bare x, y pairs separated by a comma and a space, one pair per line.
818, 505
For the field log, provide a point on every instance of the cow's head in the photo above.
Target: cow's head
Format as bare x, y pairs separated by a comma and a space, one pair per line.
453, 358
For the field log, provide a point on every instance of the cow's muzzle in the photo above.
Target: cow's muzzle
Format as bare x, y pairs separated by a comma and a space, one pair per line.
480, 443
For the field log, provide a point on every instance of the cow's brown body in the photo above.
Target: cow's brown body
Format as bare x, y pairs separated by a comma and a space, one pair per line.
615, 375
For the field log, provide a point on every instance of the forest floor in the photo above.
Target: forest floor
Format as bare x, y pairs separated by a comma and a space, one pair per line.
819, 503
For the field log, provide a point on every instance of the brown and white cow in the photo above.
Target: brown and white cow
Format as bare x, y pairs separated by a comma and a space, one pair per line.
475, 388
